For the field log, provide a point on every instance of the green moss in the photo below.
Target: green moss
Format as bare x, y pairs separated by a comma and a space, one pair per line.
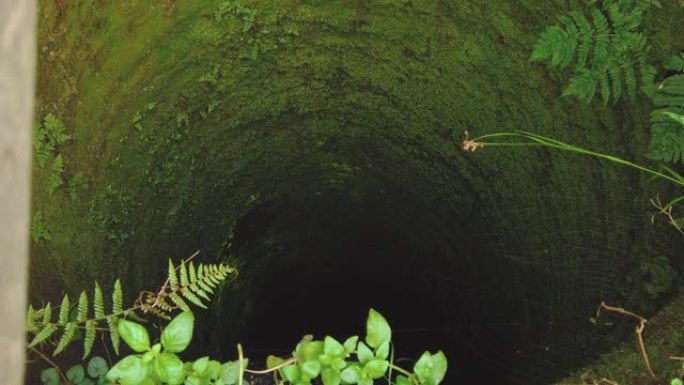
250, 108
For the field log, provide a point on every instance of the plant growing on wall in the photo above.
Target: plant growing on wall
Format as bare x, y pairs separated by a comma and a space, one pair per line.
667, 125
192, 283
606, 50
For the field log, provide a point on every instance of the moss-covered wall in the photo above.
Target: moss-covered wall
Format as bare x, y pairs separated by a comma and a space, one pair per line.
326, 134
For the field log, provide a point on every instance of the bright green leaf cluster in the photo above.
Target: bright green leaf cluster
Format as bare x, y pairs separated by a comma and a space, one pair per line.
667, 126
329, 359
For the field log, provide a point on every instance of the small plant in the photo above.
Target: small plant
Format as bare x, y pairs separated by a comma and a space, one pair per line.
94, 374
607, 49
191, 283
667, 121
47, 138
327, 359
55, 179
39, 229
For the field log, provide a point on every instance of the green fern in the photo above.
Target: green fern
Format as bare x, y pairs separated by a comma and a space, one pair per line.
47, 137
675, 63
667, 132
606, 50
195, 284
55, 179
39, 227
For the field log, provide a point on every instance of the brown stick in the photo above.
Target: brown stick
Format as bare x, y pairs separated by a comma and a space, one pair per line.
639, 331
52, 363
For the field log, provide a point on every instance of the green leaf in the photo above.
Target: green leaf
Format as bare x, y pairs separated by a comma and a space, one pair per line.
424, 368
376, 368
676, 117
50, 376
332, 347
230, 372
129, 371
273, 361
169, 368
97, 367
76, 373
178, 333
331, 376
64, 310
351, 374
86, 381
113, 332
308, 350
439, 363
173, 278
201, 365
402, 380
311, 368
82, 307
98, 304
350, 344
291, 373
383, 351
67, 338
89, 339
377, 329
117, 298
43, 335
364, 353
135, 335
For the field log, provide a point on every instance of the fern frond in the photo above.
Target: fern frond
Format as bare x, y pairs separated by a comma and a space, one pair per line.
173, 278
192, 274
82, 307
67, 337
64, 310
89, 339
675, 63
586, 33
667, 134
582, 85
31, 317
43, 335
114, 333
601, 40
190, 296
98, 304
184, 280
117, 298
178, 301
616, 78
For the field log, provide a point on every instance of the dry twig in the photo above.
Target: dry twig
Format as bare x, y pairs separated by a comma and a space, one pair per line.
639, 331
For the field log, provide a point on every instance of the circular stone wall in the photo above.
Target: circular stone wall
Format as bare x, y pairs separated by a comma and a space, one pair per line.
317, 142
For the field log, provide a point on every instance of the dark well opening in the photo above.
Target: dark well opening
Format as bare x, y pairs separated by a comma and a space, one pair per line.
316, 265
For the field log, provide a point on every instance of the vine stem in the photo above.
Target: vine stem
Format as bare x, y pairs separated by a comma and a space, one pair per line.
404, 372
52, 363
639, 331
273, 369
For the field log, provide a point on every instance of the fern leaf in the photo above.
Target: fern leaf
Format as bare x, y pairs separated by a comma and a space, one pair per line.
196, 289
67, 338
190, 296
205, 285
630, 82
582, 85
98, 304
47, 314
569, 44
178, 301
184, 275
192, 273
89, 339
31, 326
605, 89
173, 278
601, 39
82, 307
64, 310
616, 78
43, 335
546, 46
675, 63
114, 332
117, 298
585, 37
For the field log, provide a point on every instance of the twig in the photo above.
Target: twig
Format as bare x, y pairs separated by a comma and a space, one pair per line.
52, 363
273, 369
677, 358
639, 331
605, 381
667, 212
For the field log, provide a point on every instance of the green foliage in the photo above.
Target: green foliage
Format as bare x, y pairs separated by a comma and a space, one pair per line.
94, 374
607, 49
195, 282
75, 183
328, 360
48, 137
39, 227
55, 179
667, 124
